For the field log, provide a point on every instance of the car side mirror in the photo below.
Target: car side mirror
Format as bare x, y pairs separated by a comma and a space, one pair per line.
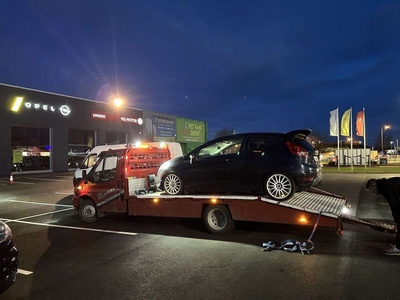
191, 157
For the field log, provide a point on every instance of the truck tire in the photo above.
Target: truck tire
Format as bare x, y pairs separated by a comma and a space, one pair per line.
173, 184
279, 186
218, 219
88, 211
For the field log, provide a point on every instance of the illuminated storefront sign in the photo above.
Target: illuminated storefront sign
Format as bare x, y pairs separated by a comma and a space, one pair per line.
19, 102
109, 117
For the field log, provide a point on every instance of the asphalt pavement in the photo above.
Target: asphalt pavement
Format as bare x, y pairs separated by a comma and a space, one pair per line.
123, 257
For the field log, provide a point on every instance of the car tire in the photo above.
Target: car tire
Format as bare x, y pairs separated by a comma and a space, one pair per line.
279, 186
173, 184
218, 219
88, 211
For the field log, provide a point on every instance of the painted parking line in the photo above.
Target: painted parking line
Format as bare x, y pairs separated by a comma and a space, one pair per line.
46, 179
37, 203
24, 272
16, 182
44, 214
69, 227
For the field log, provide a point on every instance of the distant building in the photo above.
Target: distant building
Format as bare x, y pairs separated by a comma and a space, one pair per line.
48, 132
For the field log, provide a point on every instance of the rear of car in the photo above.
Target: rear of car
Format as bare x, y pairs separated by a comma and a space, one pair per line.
307, 171
8, 258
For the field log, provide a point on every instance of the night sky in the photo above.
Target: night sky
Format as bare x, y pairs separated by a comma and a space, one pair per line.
245, 65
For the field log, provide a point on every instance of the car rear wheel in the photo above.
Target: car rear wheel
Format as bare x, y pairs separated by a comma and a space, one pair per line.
279, 186
217, 219
173, 184
88, 211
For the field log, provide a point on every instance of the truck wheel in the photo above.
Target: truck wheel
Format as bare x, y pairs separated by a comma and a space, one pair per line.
88, 211
279, 186
173, 184
217, 219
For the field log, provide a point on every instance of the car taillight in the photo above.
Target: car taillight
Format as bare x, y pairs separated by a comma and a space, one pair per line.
297, 150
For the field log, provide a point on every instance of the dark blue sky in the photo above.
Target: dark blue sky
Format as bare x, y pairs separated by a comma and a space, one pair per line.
250, 65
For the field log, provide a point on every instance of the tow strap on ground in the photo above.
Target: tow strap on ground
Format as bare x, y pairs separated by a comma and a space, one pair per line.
292, 245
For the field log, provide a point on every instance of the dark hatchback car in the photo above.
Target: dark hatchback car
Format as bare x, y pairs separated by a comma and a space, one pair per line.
272, 164
8, 258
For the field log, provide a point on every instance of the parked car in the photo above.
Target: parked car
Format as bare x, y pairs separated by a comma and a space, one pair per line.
8, 258
275, 164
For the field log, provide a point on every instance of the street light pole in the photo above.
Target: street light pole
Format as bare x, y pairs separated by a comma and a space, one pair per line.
382, 129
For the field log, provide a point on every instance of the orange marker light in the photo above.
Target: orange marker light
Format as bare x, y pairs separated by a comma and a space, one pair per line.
214, 200
303, 220
155, 200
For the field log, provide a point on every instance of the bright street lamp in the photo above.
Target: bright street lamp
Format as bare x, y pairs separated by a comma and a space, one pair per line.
382, 129
118, 102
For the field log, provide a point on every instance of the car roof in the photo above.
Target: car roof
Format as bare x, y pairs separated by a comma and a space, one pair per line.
290, 135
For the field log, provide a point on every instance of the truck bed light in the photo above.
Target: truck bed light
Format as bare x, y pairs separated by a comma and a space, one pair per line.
303, 220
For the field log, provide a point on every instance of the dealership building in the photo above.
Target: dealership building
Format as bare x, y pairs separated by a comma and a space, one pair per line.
47, 132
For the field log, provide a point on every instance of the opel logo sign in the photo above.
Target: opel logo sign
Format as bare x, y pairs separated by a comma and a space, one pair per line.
65, 111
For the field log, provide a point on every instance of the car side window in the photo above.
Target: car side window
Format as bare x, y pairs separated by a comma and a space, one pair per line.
260, 144
222, 147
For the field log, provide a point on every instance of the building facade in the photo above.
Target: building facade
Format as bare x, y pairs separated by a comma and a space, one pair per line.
47, 132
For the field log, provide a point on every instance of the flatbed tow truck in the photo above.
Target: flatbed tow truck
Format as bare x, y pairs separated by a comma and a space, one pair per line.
123, 181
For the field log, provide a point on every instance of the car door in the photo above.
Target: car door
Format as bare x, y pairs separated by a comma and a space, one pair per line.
258, 159
214, 166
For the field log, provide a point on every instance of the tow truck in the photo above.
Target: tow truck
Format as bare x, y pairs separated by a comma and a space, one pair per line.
123, 180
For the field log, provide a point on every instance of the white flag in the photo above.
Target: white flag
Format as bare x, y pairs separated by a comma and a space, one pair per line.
333, 123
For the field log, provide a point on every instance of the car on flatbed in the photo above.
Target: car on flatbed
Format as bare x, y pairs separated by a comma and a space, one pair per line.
275, 164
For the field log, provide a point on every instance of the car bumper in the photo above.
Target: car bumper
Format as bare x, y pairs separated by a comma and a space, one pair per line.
8, 264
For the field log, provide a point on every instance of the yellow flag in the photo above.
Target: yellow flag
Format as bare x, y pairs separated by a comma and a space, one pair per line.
345, 125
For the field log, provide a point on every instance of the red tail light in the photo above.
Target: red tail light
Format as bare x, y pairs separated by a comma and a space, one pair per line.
297, 150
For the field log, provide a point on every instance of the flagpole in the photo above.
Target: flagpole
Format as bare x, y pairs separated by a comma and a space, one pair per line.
351, 137
338, 138
365, 140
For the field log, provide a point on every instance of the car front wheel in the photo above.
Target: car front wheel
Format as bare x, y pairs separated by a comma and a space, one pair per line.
173, 184
279, 186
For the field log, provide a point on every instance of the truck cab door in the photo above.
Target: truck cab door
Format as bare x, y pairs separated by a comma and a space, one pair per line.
105, 183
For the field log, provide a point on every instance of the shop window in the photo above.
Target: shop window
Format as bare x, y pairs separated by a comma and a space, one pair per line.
31, 148
80, 142
116, 137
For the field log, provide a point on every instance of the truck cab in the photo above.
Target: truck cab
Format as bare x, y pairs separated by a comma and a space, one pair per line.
108, 183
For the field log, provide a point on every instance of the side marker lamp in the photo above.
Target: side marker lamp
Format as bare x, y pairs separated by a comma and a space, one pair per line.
303, 220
